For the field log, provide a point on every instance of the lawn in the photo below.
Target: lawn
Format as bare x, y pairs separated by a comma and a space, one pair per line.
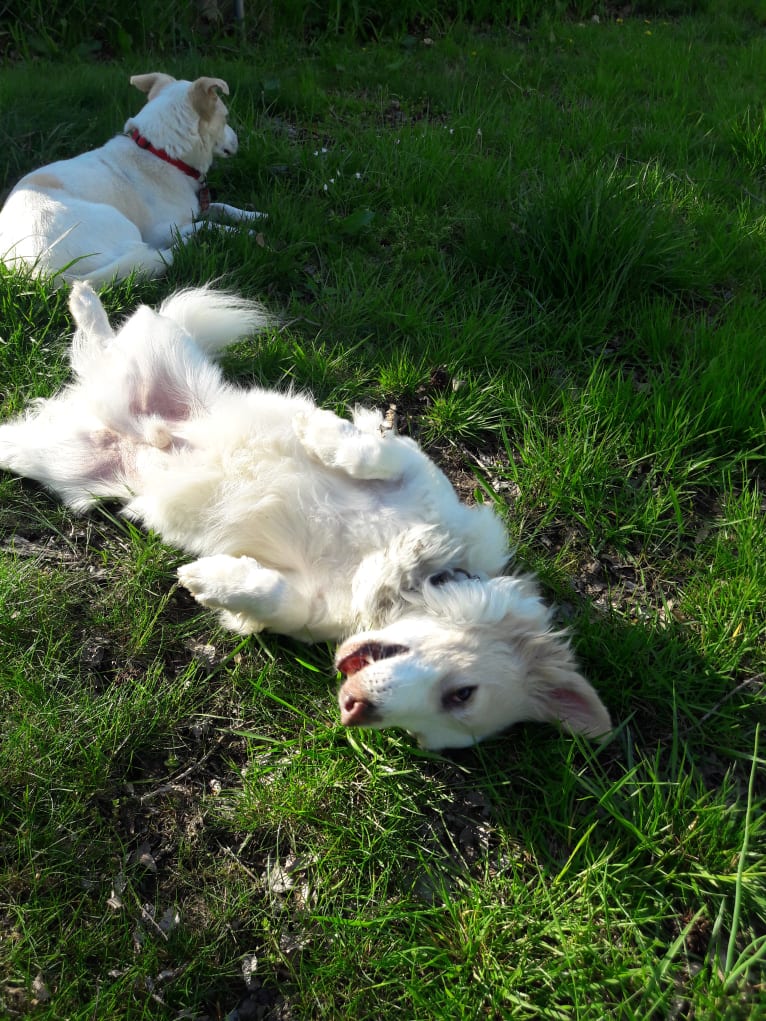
546, 246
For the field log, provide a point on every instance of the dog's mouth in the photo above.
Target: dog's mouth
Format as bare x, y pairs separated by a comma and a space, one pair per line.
363, 655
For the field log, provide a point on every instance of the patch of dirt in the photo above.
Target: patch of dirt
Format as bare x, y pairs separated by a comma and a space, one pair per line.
163, 819
406, 413
397, 115
299, 134
461, 822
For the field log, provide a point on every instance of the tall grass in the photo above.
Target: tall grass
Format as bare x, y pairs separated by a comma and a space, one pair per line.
65, 29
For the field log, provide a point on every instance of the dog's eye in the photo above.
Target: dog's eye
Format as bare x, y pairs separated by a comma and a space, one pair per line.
458, 697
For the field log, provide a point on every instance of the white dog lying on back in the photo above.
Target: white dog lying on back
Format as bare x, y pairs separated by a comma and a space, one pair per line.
305, 523
120, 208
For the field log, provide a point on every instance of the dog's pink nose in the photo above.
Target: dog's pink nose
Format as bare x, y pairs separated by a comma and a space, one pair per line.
353, 709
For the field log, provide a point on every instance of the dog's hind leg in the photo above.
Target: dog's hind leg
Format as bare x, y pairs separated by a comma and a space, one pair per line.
140, 258
89, 315
250, 597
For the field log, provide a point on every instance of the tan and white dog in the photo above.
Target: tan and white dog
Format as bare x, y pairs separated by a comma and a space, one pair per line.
305, 523
101, 215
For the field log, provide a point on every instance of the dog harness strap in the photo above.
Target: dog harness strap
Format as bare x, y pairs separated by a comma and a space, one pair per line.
144, 143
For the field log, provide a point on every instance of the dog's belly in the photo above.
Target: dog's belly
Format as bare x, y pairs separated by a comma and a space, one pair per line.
286, 512
318, 520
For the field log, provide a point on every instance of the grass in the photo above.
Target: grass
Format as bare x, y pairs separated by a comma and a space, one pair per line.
546, 247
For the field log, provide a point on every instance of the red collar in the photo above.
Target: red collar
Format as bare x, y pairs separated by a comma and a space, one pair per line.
144, 143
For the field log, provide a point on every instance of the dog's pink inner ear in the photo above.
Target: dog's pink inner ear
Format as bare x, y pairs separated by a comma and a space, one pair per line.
204, 94
576, 706
151, 83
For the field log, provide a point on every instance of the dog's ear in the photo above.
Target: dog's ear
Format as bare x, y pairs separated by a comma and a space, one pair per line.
204, 94
557, 691
151, 83
560, 694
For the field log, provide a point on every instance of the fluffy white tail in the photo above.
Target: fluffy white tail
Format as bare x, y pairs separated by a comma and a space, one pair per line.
215, 319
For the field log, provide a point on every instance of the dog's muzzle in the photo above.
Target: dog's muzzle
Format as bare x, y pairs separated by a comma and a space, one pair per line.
355, 710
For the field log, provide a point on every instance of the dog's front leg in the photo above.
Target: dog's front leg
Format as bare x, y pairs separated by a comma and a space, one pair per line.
182, 232
218, 211
250, 597
390, 579
361, 453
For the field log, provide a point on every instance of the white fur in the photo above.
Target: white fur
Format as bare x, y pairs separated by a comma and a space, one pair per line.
118, 209
305, 524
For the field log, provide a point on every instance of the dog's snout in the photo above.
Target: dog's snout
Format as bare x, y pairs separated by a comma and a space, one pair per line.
354, 710
229, 144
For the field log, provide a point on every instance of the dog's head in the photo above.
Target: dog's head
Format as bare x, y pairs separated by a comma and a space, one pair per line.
479, 656
186, 119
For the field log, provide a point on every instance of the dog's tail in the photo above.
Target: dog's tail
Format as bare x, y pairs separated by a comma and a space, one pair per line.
133, 392
214, 319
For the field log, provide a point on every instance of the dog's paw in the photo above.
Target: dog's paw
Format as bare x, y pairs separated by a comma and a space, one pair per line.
208, 579
368, 453
238, 585
321, 433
